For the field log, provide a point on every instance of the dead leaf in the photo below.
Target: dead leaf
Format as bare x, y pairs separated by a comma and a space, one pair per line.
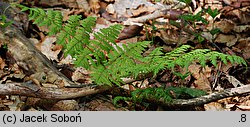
244, 46
230, 40
81, 75
110, 9
130, 31
235, 82
83, 4
14, 104
201, 76
48, 50
142, 9
225, 26
123, 8
94, 5
214, 106
244, 108
65, 105
2, 63
241, 28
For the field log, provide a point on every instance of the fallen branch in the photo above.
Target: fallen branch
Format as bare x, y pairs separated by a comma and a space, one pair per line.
167, 13
32, 90
204, 99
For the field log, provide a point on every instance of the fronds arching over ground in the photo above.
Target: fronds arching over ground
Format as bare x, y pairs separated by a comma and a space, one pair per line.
157, 63
110, 62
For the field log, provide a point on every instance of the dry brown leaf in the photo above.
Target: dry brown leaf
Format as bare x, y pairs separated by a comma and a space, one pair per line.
130, 40
230, 40
225, 67
201, 76
244, 108
141, 10
235, 82
2, 63
110, 9
237, 15
81, 75
94, 5
65, 105
241, 28
15, 103
244, 46
130, 31
123, 8
83, 4
48, 50
225, 26
215, 106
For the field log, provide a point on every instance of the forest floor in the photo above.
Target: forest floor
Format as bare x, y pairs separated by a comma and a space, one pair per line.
144, 20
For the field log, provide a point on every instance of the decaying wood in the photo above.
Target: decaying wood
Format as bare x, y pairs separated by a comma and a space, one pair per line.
29, 59
31, 90
37, 66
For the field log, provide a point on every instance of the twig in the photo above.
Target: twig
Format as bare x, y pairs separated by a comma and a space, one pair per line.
204, 99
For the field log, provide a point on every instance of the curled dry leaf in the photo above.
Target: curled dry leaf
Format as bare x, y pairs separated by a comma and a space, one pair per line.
142, 9
110, 9
48, 49
124, 8
235, 82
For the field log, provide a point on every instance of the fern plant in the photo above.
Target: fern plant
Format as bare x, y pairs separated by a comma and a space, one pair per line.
109, 62
167, 94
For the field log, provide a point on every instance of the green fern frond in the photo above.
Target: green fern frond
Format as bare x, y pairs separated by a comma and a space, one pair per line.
99, 47
75, 34
51, 19
120, 98
185, 58
120, 64
239, 60
109, 62
167, 94
124, 63
69, 31
56, 25
106, 37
